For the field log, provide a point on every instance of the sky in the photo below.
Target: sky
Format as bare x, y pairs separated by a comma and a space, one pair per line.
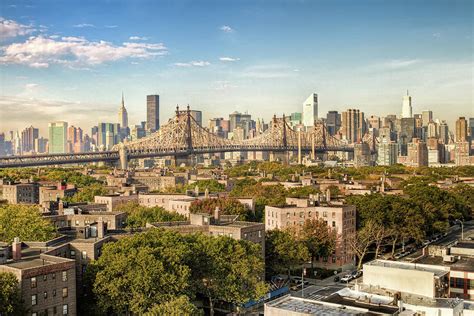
71, 60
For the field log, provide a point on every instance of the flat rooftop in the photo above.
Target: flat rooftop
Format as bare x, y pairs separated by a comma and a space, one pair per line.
437, 271
463, 264
311, 307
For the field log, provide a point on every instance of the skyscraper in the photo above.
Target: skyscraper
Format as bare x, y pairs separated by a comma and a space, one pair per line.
123, 115
310, 110
427, 116
108, 135
57, 137
28, 137
461, 130
407, 110
444, 132
153, 112
353, 125
333, 122
387, 152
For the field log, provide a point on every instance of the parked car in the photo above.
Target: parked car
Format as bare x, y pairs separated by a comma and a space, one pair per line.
337, 278
356, 273
347, 278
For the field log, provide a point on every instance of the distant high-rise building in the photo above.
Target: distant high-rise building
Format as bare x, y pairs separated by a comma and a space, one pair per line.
57, 137
243, 120
417, 153
123, 115
387, 152
197, 116
41, 145
353, 125
333, 122
153, 112
405, 128
407, 110
28, 137
432, 130
444, 132
108, 135
310, 110
2, 145
461, 130
75, 139
427, 116
374, 122
362, 155
296, 118
471, 128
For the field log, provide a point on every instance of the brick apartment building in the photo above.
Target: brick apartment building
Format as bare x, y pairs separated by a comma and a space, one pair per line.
342, 218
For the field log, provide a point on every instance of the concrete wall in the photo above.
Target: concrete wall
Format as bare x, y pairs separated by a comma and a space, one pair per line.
403, 280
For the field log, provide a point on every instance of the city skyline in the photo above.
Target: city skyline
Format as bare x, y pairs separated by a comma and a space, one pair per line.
220, 65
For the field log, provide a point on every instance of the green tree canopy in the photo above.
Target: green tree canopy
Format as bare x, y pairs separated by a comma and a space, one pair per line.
180, 306
139, 216
87, 193
24, 222
10, 297
211, 185
227, 206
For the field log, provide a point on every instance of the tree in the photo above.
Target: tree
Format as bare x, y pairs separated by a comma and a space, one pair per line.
302, 192
135, 273
319, 239
211, 185
10, 298
228, 270
227, 206
180, 306
24, 222
283, 251
87, 193
363, 239
139, 216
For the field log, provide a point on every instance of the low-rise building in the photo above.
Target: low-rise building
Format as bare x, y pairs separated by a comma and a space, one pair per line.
113, 200
25, 192
55, 192
47, 283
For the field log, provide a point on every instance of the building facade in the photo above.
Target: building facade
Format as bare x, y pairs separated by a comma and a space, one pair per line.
153, 112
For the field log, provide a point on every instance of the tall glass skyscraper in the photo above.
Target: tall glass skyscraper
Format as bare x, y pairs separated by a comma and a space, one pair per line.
153, 112
310, 110
57, 137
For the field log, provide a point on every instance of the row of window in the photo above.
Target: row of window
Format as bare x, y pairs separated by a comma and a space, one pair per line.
55, 311
34, 281
460, 282
34, 297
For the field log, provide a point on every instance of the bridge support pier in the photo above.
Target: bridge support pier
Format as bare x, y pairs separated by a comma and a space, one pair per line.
123, 157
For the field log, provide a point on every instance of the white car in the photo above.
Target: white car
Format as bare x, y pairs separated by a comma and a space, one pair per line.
347, 278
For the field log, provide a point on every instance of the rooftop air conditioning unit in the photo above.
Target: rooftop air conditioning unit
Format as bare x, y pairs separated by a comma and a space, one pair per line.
449, 258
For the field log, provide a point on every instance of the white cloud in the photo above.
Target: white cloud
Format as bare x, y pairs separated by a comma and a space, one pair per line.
10, 28
82, 25
437, 35
400, 63
194, 63
223, 85
31, 85
138, 38
75, 52
110, 26
226, 28
230, 59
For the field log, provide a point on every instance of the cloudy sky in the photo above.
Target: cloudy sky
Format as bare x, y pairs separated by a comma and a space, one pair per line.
71, 60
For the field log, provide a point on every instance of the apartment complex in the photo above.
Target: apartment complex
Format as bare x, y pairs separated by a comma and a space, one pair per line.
341, 218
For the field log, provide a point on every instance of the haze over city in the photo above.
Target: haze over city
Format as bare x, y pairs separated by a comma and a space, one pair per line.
71, 61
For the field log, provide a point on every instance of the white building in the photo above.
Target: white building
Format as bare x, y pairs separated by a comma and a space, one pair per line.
407, 110
310, 110
387, 153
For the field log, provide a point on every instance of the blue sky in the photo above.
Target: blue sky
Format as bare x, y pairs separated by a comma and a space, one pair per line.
70, 60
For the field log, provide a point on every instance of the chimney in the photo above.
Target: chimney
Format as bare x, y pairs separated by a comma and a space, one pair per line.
206, 193
16, 248
196, 190
217, 214
60, 207
328, 195
100, 228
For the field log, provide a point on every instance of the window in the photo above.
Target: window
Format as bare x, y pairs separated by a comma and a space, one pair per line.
77, 223
230, 235
33, 283
84, 255
45, 277
45, 295
325, 214
259, 233
301, 214
333, 224
34, 314
64, 276
64, 292
54, 293
288, 215
65, 309
55, 310
73, 254
34, 300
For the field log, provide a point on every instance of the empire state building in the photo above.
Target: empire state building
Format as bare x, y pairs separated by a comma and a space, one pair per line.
123, 116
